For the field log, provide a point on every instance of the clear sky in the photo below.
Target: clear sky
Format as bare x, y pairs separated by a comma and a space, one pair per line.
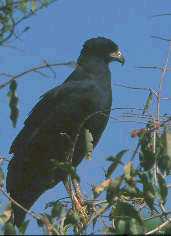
57, 34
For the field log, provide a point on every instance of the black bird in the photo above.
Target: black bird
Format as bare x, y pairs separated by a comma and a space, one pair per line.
55, 121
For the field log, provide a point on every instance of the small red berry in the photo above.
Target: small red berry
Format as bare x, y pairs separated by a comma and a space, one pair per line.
134, 133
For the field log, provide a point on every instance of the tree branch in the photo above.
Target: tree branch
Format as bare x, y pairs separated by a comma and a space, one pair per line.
34, 69
162, 226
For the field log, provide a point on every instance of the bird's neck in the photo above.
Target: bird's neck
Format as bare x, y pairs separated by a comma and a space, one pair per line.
92, 68
95, 66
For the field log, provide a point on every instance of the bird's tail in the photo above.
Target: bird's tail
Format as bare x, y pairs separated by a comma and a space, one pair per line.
26, 200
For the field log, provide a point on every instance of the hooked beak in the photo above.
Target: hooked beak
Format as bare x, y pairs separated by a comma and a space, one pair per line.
118, 56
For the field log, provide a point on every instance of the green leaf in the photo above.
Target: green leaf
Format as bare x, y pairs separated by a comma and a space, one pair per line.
168, 141
121, 227
148, 102
66, 228
163, 187
152, 223
132, 192
33, 5
23, 5
72, 217
8, 7
1, 220
125, 210
67, 167
167, 229
147, 159
13, 102
136, 227
148, 189
115, 161
127, 219
23, 227
97, 190
167, 145
129, 173
1, 37
6, 215
45, 2
9, 229
1, 177
88, 144
7, 26
57, 210
146, 155
114, 189
9, 2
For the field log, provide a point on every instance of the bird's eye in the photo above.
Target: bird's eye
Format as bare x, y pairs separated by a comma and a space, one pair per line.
119, 53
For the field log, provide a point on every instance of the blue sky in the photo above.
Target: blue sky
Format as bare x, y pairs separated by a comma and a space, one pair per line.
57, 34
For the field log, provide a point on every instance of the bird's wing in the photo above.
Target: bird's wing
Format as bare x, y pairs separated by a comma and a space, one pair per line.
60, 110
29, 171
72, 100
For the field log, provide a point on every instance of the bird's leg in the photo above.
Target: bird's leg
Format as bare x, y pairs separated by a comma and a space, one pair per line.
80, 204
75, 195
77, 199
68, 187
78, 191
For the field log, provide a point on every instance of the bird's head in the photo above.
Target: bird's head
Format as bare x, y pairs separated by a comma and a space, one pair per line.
102, 48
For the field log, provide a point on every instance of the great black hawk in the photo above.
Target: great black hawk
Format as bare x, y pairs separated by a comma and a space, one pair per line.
56, 120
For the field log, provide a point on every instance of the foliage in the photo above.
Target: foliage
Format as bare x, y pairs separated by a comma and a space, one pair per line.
13, 102
13, 12
133, 201
130, 203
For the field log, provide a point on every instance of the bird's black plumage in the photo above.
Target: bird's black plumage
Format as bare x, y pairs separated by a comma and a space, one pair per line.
61, 111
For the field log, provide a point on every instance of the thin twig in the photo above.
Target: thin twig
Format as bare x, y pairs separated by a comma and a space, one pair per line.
34, 69
156, 216
161, 38
164, 14
130, 87
135, 151
162, 226
162, 82
135, 88
152, 67
34, 215
165, 98
4, 159
98, 213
